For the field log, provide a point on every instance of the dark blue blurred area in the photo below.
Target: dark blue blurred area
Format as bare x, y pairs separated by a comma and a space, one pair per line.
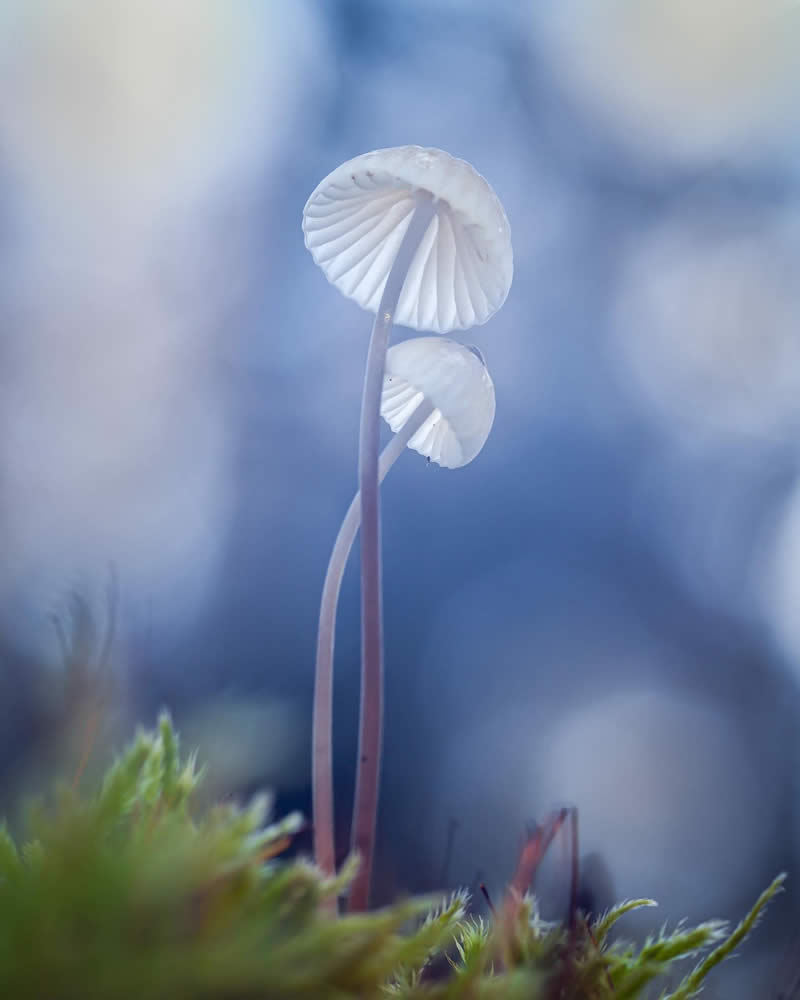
603, 609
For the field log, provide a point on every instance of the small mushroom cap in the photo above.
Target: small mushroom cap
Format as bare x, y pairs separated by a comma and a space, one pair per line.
456, 381
355, 220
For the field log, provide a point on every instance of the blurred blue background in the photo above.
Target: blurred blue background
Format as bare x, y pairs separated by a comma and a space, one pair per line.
603, 609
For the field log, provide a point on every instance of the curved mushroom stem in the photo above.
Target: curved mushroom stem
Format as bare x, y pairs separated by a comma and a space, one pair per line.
365, 806
322, 738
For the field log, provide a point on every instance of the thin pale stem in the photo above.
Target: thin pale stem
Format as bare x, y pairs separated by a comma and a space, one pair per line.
365, 806
322, 731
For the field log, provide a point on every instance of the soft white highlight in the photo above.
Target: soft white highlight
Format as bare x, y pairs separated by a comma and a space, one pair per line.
124, 128
777, 578
705, 325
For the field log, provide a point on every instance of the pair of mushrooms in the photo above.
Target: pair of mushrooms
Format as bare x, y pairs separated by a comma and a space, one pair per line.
419, 238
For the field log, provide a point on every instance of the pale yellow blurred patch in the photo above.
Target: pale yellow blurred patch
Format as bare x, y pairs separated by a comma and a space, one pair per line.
688, 79
105, 94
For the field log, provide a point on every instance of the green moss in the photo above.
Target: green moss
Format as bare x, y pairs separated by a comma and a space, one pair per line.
132, 894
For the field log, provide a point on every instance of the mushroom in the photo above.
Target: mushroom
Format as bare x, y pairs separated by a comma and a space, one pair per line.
455, 380
438, 398
419, 238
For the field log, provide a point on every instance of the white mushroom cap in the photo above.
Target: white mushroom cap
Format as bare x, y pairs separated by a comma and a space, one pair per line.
356, 218
455, 380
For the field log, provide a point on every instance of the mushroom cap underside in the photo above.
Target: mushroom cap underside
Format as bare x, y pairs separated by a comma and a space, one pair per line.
456, 382
356, 218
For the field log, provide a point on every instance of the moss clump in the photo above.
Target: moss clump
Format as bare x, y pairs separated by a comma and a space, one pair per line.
130, 894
